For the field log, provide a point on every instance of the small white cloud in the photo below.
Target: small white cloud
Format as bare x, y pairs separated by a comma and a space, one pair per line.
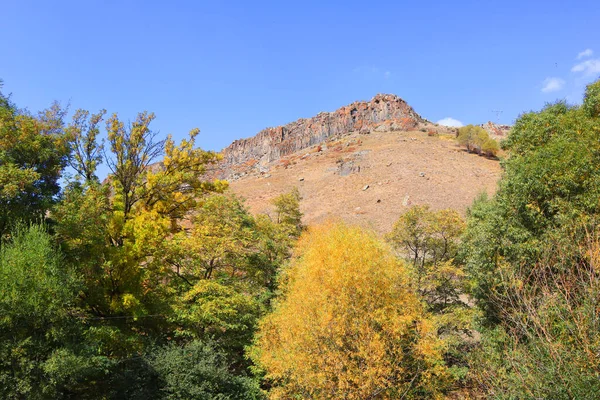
387, 74
553, 85
585, 53
588, 67
450, 122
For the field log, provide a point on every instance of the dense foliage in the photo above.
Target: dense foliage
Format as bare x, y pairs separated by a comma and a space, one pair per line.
531, 252
33, 152
147, 285
348, 326
157, 283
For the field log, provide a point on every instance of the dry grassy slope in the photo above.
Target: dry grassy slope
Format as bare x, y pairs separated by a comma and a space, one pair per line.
391, 163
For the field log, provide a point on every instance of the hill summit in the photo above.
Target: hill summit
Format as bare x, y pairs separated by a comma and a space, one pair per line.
384, 112
365, 163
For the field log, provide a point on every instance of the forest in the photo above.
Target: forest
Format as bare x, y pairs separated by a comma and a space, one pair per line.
158, 283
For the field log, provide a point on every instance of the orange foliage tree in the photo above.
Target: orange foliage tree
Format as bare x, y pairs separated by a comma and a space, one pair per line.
348, 325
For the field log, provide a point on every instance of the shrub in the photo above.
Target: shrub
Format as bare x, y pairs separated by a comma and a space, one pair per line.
490, 147
199, 371
477, 140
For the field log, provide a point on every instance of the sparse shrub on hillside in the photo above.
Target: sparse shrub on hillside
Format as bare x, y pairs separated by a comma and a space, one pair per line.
477, 140
490, 147
348, 325
431, 132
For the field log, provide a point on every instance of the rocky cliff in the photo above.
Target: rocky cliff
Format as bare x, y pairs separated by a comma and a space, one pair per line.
496, 130
383, 111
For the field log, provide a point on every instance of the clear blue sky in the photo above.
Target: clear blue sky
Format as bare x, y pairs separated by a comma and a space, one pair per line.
232, 68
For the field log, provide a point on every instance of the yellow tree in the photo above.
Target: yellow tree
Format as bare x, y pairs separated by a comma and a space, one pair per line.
139, 207
347, 324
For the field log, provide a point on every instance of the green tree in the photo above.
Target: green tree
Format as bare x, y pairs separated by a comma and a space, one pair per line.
219, 243
199, 371
33, 153
37, 310
531, 253
428, 239
548, 195
287, 211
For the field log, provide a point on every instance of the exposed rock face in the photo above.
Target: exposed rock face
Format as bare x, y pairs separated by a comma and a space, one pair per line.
496, 129
273, 143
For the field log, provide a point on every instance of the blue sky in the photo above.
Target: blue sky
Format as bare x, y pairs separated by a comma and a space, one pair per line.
232, 68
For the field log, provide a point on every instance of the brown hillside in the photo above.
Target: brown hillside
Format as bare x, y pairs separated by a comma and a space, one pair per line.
400, 169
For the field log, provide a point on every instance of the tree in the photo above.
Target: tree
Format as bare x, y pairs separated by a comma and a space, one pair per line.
132, 218
427, 238
347, 325
287, 210
548, 195
199, 371
83, 136
218, 244
33, 153
531, 252
37, 307
225, 314
430, 241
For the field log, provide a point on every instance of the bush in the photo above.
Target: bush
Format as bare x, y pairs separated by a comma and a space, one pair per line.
477, 140
199, 371
490, 147
37, 295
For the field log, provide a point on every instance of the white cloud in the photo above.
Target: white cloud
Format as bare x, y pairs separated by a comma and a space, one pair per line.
588, 67
585, 53
387, 74
553, 85
450, 122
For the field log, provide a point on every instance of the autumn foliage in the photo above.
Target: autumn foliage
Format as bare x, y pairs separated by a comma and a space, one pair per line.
348, 325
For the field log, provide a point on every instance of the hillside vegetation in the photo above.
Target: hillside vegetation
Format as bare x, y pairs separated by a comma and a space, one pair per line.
160, 284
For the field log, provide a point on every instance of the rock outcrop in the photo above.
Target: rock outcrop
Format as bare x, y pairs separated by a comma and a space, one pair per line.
384, 110
496, 130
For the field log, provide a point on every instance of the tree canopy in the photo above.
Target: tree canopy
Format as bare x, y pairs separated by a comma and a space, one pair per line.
347, 324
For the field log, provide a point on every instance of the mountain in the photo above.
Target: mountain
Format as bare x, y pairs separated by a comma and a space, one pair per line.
272, 144
364, 163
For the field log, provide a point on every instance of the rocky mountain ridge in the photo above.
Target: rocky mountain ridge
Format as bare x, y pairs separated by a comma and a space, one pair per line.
383, 112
